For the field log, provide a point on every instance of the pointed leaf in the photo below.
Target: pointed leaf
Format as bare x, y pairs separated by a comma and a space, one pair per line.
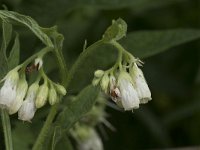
14, 57
13, 17
148, 43
6, 37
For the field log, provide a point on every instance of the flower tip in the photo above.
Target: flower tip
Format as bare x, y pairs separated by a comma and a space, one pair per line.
98, 73
60, 89
38, 62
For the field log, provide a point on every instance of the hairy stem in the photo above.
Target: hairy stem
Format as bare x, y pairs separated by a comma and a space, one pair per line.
7, 129
44, 132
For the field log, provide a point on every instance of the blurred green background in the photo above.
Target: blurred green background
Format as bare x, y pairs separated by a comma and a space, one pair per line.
172, 118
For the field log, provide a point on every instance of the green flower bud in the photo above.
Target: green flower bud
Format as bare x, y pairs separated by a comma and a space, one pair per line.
52, 96
96, 81
42, 95
98, 73
60, 89
104, 83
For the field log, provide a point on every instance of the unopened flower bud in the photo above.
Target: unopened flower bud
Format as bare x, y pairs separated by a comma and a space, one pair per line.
42, 95
105, 83
96, 81
22, 87
38, 62
60, 89
98, 73
53, 97
28, 109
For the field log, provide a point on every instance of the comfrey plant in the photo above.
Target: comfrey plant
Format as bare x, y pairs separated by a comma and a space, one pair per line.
26, 87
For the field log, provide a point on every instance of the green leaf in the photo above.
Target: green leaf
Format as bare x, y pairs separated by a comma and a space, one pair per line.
6, 37
14, 57
74, 111
23, 136
60, 141
58, 44
16, 18
82, 71
148, 43
64, 143
77, 108
116, 31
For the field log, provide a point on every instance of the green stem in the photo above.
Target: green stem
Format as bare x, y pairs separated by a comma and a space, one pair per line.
7, 129
52, 113
41, 53
45, 129
62, 66
121, 49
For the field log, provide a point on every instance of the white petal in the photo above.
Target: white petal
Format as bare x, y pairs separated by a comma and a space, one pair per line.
7, 93
27, 110
141, 87
21, 93
129, 97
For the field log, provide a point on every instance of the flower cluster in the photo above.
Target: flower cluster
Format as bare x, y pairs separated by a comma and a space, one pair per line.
124, 82
17, 96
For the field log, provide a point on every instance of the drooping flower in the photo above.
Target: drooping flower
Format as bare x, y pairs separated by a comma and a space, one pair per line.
129, 98
8, 90
28, 109
22, 87
140, 85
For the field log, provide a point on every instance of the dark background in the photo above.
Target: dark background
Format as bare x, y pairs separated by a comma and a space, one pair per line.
172, 118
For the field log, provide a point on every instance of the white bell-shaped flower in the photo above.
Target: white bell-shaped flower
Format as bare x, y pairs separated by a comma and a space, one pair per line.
28, 108
8, 90
129, 97
22, 87
141, 86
